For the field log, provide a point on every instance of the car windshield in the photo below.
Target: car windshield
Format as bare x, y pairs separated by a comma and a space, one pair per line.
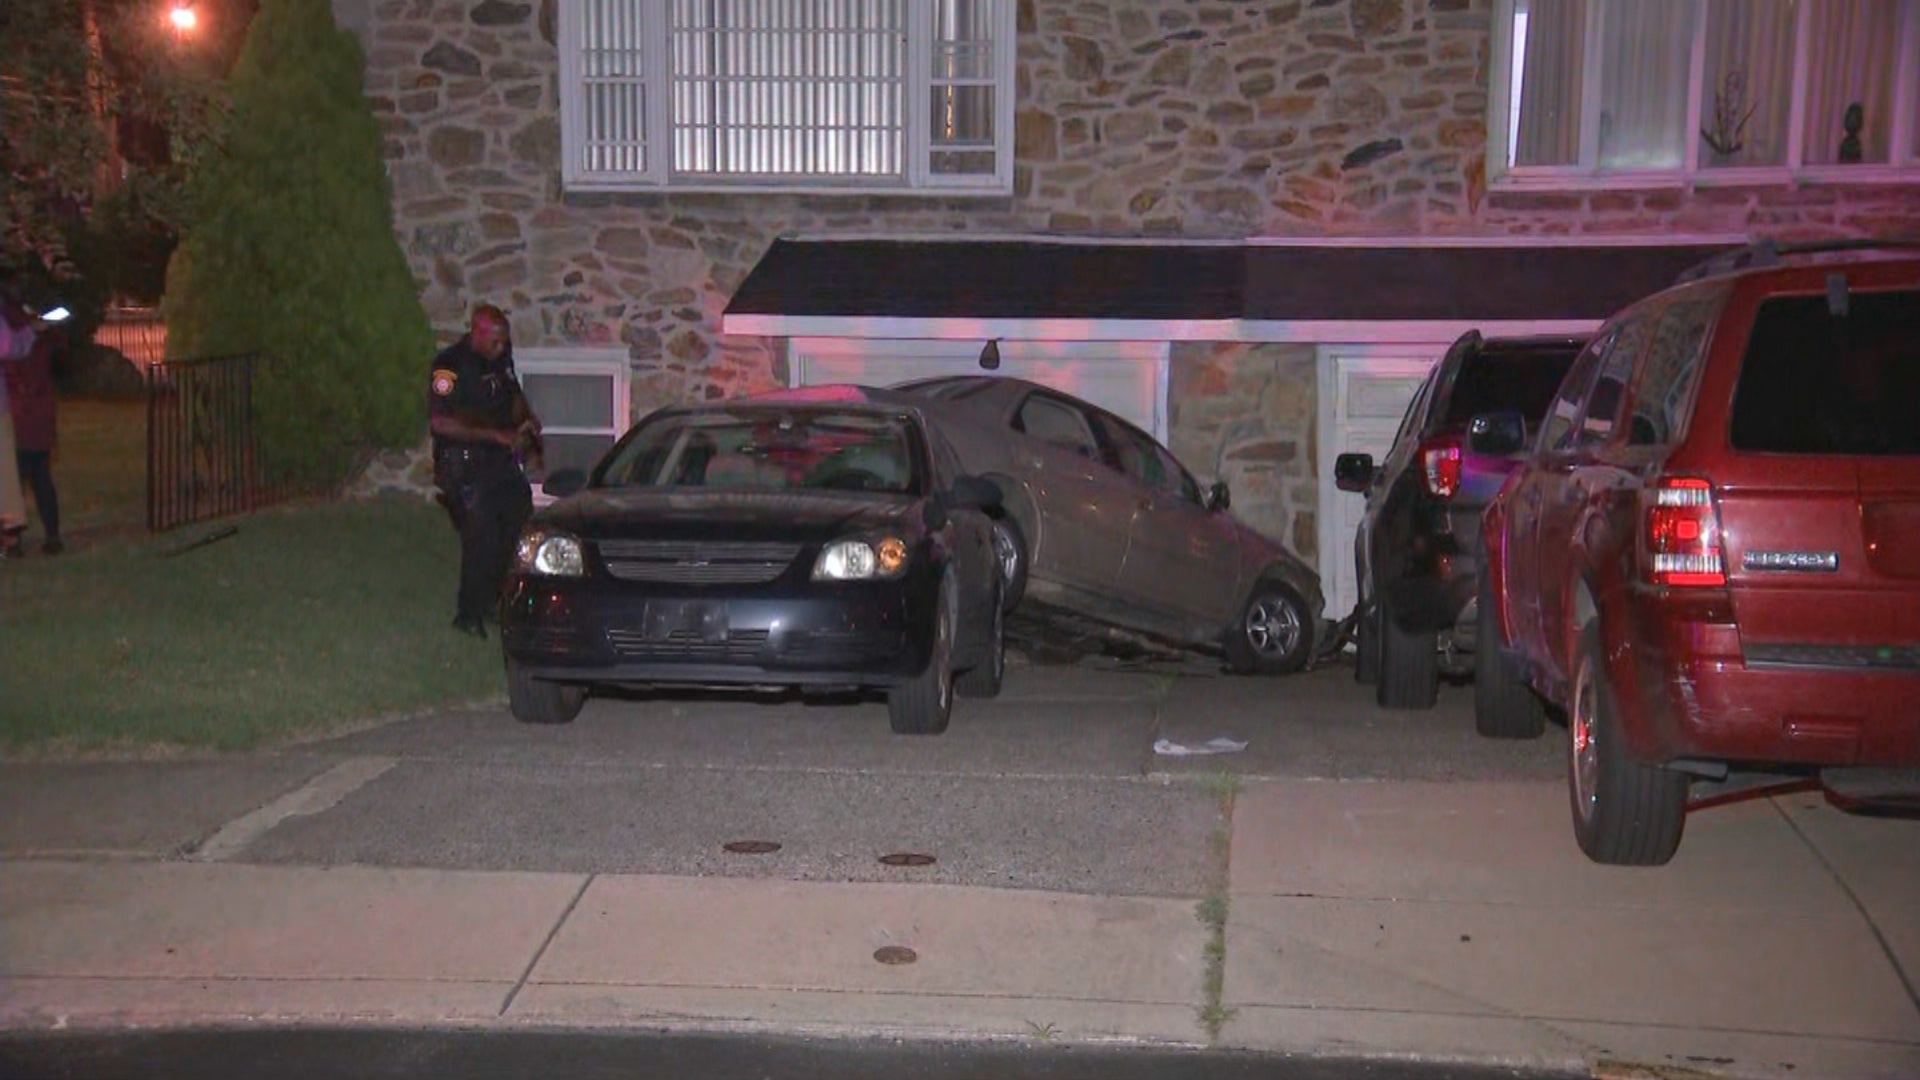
1495, 382
1814, 382
769, 449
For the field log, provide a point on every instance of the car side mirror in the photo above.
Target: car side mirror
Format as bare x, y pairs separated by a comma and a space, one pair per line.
1353, 472
565, 482
1218, 498
1497, 434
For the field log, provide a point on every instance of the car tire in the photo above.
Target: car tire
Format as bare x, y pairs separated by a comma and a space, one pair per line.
1409, 665
924, 704
984, 679
1504, 707
1366, 646
1625, 812
1274, 633
542, 701
1010, 557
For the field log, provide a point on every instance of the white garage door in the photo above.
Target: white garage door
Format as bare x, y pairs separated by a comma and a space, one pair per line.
1364, 391
1124, 377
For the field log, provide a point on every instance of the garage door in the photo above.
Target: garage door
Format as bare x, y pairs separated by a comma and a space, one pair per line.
1125, 378
1364, 391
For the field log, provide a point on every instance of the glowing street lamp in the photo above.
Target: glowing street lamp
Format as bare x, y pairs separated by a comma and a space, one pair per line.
183, 18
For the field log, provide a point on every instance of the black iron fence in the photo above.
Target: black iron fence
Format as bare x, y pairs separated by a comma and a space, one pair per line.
203, 447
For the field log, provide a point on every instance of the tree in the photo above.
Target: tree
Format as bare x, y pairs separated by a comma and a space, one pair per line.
292, 253
102, 115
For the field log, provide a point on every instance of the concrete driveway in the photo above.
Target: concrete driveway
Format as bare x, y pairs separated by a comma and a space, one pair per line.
1352, 883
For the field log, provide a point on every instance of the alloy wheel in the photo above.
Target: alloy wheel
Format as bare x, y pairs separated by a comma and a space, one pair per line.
1585, 751
1273, 628
1006, 553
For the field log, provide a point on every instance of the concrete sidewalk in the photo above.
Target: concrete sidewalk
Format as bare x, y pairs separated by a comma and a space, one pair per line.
1440, 921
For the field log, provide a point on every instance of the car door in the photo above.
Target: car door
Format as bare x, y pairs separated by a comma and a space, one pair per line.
1526, 565
1085, 507
1182, 562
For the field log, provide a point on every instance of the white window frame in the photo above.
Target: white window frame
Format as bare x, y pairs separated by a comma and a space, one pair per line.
1904, 166
581, 360
917, 176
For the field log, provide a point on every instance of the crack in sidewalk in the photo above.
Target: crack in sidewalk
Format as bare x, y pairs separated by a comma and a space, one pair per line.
1886, 948
552, 932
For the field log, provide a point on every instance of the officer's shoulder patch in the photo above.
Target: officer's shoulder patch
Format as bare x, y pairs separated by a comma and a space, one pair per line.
443, 380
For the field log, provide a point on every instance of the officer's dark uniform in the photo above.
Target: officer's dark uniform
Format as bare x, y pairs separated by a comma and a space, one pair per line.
486, 491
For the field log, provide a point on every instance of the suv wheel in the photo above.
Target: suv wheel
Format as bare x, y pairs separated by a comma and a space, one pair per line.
1366, 646
541, 701
1409, 665
1625, 812
1503, 706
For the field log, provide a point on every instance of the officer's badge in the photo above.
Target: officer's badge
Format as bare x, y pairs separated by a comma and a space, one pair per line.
442, 382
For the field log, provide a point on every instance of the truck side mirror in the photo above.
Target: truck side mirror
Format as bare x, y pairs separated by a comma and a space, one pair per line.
1353, 472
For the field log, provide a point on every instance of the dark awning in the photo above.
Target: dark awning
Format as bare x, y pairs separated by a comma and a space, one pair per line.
1193, 290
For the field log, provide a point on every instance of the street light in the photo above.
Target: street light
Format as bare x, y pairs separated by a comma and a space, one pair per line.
183, 18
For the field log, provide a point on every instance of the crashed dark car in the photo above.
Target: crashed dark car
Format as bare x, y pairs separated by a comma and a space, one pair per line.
1105, 541
832, 546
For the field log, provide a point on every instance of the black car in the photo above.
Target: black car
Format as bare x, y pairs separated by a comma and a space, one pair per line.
827, 545
1418, 545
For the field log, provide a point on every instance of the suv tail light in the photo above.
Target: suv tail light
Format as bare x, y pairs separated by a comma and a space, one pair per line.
1683, 535
1440, 466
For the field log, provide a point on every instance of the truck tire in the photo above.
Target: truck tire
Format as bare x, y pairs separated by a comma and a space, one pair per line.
542, 701
1409, 665
1625, 812
1504, 707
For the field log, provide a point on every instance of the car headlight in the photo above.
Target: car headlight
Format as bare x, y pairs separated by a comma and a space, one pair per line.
549, 552
861, 560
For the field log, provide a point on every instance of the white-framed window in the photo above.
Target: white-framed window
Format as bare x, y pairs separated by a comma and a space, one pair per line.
1611, 92
582, 397
825, 96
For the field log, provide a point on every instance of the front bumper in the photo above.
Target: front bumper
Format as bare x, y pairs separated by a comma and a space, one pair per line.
875, 633
1690, 692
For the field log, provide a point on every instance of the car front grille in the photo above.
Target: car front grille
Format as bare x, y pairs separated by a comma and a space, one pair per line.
739, 646
683, 563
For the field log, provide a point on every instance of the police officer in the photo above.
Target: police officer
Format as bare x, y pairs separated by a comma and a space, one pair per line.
480, 418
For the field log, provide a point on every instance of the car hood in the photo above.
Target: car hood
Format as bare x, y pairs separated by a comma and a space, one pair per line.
663, 513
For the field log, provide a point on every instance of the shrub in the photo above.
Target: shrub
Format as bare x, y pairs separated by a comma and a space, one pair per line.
291, 252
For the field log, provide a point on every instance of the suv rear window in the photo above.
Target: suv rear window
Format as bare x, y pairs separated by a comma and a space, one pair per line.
1494, 382
1817, 383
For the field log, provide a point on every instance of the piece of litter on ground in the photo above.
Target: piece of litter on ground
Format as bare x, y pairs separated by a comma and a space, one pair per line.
1218, 745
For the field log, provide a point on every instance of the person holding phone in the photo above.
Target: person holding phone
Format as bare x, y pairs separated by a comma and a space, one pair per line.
32, 408
19, 332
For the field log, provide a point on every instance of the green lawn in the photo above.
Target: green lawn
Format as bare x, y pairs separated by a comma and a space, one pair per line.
309, 618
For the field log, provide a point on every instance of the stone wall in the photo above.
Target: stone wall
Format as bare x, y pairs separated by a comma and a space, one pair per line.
1245, 414
1134, 117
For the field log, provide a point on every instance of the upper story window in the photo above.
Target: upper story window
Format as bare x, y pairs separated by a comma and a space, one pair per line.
1589, 92
815, 95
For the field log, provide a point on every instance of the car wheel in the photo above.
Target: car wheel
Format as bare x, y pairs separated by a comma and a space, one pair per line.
1274, 634
542, 701
983, 679
1504, 707
1625, 812
923, 705
1010, 555
1409, 665
1366, 647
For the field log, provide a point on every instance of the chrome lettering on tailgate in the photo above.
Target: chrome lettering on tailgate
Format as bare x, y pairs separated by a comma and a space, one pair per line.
1801, 561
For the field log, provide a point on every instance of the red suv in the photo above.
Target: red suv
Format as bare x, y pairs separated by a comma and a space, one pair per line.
1711, 559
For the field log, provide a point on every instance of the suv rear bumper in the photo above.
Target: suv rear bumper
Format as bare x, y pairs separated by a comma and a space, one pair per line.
1687, 690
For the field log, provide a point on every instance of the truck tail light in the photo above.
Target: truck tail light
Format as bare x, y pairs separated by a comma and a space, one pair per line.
1440, 466
1683, 535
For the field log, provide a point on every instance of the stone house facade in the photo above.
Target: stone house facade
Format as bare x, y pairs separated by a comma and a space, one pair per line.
1139, 119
